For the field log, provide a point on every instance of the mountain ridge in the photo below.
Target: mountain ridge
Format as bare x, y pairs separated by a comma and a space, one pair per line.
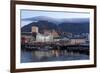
78, 25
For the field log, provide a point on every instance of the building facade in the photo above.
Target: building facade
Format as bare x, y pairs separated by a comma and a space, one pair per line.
34, 29
78, 41
44, 38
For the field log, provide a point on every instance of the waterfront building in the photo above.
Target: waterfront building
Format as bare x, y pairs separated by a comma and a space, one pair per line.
54, 33
34, 29
44, 38
26, 37
46, 32
77, 40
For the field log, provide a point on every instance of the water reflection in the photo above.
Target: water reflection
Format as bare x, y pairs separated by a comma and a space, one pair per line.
51, 55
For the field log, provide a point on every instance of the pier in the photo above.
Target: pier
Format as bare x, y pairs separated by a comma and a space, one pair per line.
83, 49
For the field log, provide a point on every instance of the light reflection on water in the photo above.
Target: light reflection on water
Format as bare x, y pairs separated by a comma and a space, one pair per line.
51, 55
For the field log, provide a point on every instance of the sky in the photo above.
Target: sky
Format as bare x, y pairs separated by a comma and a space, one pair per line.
52, 14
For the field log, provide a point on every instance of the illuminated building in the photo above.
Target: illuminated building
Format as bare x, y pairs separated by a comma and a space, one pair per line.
34, 29
44, 38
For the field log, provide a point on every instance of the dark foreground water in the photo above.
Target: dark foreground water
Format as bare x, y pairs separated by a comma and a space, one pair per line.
51, 55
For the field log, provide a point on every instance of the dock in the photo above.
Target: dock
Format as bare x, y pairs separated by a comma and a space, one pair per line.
83, 49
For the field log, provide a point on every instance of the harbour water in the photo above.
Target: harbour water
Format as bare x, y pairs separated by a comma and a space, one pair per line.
51, 55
